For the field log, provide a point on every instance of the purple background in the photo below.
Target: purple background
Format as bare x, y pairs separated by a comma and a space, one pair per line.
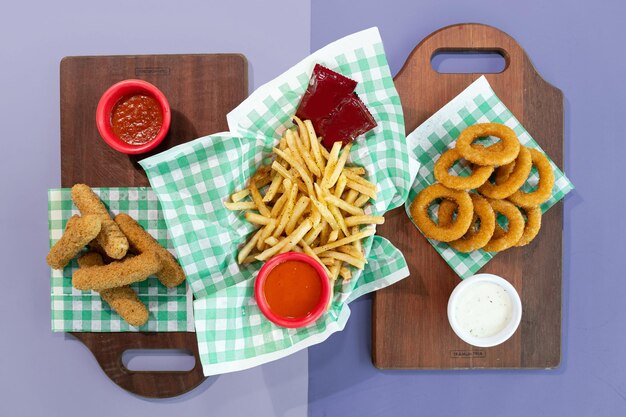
578, 47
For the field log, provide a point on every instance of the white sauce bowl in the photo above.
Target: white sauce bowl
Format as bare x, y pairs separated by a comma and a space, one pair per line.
478, 310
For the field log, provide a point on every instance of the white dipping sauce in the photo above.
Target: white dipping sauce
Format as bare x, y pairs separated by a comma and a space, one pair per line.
484, 309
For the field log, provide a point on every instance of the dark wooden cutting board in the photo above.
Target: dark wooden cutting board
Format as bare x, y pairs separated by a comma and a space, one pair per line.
201, 90
410, 328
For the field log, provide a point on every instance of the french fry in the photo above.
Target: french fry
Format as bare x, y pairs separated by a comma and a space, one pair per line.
324, 194
341, 162
240, 195
303, 133
326, 214
316, 217
354, 220
340, 186
307, 249
261, 177
331, 164
267, 232
241, 205
324, 152
343, 257
301, 170
300, 207
282, 143
304, 155
271, 241
258, 200
360, 180
334, 270
324, 235
266, 179
333, 236
293, 150
287, 211
279, 205
255, 218
273, 188
339, 203
351, 196
361, 188
339, 218
362, 199
287, 243
301, 186
345, 273
348, 239
357, 243
314, 233
315, 145
276, 166
355, 170
326, 261
248, 259
352, 251
243, 252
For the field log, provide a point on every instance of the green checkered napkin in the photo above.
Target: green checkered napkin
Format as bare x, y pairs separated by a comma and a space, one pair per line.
84, 311
476, 104
193, 180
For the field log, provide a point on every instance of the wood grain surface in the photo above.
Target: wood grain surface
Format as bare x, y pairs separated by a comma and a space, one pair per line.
201, 90
410, 328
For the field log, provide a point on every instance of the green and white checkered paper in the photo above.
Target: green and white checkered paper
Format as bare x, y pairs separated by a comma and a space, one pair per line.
193, 180
84, 311
478, 103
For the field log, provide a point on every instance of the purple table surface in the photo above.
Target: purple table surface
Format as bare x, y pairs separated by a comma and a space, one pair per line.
46, 374
578, 47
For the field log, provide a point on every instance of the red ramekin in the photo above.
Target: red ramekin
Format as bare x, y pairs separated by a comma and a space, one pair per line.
285, 321
112, 96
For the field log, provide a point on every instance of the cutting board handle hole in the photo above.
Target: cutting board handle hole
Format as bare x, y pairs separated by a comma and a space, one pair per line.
158, 360
468, 61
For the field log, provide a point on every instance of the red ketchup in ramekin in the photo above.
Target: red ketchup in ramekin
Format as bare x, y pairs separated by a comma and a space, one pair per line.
133, 116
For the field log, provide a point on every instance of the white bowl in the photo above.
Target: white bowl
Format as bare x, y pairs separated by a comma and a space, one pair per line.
510, 324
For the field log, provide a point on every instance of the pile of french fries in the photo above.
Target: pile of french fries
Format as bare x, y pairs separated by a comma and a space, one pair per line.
308, 201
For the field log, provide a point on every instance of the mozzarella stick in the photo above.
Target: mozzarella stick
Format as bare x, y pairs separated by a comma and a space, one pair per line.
141, 241
123, 300
79, 231
117, 274
110, 237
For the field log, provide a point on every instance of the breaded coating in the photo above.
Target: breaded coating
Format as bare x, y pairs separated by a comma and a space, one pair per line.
111, 238
125, 302
90, 259
117, 274
141, 241
79, 231
122, 300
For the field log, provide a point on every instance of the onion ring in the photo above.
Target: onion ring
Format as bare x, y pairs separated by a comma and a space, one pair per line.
492, 155
546, 182
454, 231
479, 175
515, 230
533, 224
475, 237
503, 172
513, 176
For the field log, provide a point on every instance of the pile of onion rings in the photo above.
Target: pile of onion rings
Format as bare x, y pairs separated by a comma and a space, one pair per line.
470, 205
